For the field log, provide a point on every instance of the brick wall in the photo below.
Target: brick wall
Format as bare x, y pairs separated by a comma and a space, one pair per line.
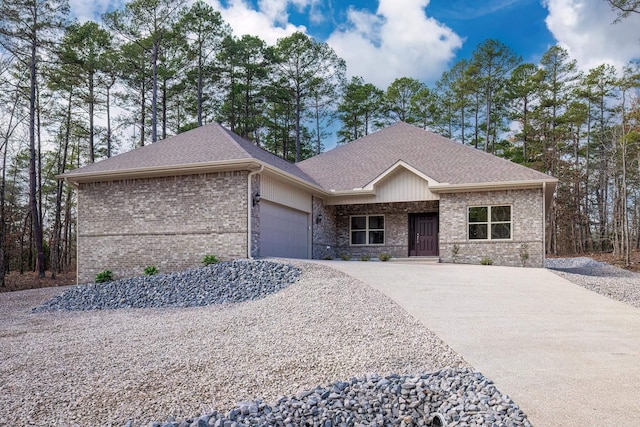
169, 222
396, 217
324, 233
527, 228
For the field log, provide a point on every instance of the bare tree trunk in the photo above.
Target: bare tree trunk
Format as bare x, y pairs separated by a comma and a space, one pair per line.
92, 150
57, 226
154, 92
109, 121
3, 220
33, 173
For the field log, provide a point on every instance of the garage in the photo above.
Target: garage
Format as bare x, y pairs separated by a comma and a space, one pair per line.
283, 231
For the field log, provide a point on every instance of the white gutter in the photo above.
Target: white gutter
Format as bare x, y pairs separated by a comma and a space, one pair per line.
250, 207
487, 186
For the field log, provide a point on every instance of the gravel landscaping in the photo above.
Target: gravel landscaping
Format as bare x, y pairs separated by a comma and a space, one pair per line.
325, 350
228, 282
602, 278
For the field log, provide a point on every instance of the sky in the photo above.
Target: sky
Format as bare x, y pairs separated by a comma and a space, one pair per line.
382, 40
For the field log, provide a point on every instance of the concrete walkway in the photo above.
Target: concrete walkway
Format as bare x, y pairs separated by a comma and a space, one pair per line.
566, 355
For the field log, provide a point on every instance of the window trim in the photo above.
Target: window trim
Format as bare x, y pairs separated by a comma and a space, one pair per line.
367, 230
489, 223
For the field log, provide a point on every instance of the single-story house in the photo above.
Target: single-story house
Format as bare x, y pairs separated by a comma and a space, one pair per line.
401, 190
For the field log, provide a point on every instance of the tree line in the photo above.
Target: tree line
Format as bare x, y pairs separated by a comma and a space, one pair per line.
72, 94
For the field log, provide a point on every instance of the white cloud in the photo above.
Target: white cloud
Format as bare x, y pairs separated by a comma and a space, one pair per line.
269, 21
398, 40
585, 28
84, 10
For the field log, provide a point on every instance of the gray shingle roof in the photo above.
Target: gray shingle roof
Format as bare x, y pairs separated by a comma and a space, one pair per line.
347, 167
204, 145
359, 162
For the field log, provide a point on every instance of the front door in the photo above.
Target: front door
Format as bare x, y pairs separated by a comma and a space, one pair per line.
423, 234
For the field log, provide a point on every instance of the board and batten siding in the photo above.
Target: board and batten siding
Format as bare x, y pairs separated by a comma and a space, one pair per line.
401, 185
285, 195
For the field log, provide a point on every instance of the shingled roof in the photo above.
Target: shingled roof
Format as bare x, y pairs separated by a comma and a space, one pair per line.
207, 146
447, 164
358, 163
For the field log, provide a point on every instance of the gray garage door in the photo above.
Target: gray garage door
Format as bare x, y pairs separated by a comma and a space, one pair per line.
283, 231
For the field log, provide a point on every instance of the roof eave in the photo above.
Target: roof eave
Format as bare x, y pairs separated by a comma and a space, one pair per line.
190, 169
299, 182
492, 186
153, 172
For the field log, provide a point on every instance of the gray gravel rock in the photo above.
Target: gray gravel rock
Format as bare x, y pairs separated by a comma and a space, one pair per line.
585, 266
600, 277
461, 397
226, 282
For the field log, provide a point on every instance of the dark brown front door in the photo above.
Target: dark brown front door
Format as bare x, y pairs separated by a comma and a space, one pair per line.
423, 234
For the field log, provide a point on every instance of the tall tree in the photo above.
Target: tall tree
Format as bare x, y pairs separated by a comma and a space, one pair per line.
147, 24
246, 73
85, 47
304, 66
456, 86
493, 62
424, 108
398, 98
26, 28
522, 90
204, 31
358, 109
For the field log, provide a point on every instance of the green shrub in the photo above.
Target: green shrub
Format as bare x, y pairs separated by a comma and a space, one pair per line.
210, 259
104, 276
150, 270
486, 261
365, 257
344, 257
455, 250
384, 256
327, 257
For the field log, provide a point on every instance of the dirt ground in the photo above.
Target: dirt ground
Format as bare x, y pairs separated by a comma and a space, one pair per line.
15, 281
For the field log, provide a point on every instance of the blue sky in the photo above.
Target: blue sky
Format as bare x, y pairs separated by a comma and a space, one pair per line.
385, 39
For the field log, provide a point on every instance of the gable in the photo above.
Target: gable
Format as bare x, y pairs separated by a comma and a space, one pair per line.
398, 184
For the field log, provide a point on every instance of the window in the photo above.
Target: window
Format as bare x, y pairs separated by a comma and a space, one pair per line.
489, 222
367, 230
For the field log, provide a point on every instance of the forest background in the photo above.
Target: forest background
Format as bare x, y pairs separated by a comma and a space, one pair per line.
72, 94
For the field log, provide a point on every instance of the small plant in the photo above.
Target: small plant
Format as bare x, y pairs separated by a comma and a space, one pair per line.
210, 259
150, 270
327, 257
104, 276
344, 257
365, 257
486, 261
384, 256
524, 254
454, 252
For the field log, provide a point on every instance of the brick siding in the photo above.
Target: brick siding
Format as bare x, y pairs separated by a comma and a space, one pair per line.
527, 228
169, 222
396, 217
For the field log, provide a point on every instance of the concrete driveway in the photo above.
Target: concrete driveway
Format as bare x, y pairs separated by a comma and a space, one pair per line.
566, 355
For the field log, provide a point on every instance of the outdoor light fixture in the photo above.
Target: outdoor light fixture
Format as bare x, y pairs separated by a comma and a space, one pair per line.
319, 218
256, 199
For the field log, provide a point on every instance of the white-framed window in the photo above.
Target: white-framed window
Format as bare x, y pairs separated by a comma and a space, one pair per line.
489, 222
366, 230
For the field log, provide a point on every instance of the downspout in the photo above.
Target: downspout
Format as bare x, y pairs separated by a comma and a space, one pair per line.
544, 221
249, 208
